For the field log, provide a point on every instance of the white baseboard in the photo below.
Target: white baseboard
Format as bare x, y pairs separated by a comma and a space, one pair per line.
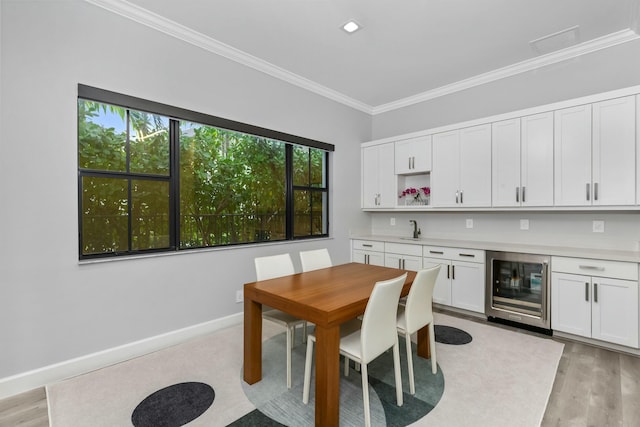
41, 377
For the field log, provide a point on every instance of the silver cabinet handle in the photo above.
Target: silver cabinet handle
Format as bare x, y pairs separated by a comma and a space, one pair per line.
453, 272
467, 255
461, 201
595, 191
448, 272
518, 194
595, 292
456, 197
367, 245
523, 195
588, 192
586, 291
437, 252
409, 159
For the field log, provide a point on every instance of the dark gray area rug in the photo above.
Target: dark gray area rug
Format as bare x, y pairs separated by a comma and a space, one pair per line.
451, 335
276, 405
173, 406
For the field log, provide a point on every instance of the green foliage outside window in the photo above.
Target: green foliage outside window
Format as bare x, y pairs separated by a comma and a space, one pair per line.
229, 187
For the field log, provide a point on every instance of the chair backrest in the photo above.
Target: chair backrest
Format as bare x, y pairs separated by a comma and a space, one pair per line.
378, 331
315, 259
270, 267
419, 308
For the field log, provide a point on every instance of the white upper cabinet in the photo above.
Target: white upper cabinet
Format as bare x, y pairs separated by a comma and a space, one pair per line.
413, 155
595, 154
378, 177
614, 152
461, 173
522, 161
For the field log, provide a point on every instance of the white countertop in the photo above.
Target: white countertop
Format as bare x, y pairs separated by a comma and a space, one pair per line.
603, 254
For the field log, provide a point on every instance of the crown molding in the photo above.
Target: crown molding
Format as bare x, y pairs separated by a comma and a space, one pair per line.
188, 35
179, 31
585, 48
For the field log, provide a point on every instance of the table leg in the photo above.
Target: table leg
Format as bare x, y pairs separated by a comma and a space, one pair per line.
327, 375
252, 341
423, 343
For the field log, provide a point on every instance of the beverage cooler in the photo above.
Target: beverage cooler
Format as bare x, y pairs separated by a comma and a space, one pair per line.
517, 288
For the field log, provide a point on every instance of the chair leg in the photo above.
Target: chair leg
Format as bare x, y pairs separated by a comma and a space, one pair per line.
396, 366
346, 366
304, 332
365, 395
412, 382
432, 344
307, 372
290, 332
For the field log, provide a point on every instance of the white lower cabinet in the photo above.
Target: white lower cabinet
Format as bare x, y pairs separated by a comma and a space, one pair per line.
595, 299
461, 279
368, 252
405, 257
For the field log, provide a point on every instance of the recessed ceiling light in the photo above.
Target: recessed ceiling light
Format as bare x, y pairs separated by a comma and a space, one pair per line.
351, 27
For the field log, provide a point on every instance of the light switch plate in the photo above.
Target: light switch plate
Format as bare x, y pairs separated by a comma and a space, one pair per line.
524, 224
598, 226
469, 223
392, 221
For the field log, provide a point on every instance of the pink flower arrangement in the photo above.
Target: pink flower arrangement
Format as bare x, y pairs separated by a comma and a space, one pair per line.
416, 192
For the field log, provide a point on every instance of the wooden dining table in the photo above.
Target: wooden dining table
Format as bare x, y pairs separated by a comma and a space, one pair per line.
327, 297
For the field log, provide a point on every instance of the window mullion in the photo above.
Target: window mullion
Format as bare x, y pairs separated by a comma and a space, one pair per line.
174, 184
289, 191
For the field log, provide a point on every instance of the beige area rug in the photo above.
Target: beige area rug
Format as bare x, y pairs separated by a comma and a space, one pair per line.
500, 378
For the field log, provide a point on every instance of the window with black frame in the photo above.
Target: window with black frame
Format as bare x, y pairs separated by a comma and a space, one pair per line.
159, 178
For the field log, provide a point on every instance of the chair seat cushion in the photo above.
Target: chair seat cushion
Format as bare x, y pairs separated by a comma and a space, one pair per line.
281, 317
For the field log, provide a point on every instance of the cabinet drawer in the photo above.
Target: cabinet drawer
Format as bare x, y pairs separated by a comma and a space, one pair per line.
437, 252
595, 267
403, 249
368, 245
469, 255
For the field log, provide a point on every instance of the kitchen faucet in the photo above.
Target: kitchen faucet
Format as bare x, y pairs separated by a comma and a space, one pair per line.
416, 230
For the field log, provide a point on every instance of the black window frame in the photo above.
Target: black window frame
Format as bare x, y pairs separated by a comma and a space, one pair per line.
175, 115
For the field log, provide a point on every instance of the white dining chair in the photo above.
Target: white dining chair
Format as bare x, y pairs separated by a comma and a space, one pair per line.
315, 259
416, 314
377, 334
270, 267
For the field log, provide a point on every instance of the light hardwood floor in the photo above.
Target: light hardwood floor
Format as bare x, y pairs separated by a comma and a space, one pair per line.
593, 387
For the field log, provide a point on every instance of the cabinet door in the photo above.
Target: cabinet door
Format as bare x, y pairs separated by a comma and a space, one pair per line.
378, 177
475, 166
571, 304
614, 145
572, 131
404, 262
536, 162
505, 166
468, 285
386, 177
413, 155
442, 290
445, 176
370, 177
367, 257
614, 310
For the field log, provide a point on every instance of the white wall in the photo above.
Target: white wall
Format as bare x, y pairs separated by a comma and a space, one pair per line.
560, 229
53, 309
614, 68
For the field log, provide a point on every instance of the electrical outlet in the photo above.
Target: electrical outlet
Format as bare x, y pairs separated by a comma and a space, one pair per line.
239, 296
524, 224
392, 221
469, 223
598, 226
